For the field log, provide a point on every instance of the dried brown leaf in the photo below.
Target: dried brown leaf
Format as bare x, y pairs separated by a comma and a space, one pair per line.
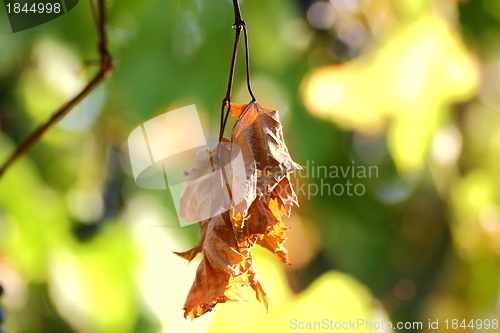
254, 226
258, 133
206, 192
274, 239
223, 271
260, 193
285, 195
191, 254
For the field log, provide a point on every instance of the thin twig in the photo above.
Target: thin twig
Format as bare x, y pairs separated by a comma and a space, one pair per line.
247, 60
237, 12
105, 70
226, 102
238, 25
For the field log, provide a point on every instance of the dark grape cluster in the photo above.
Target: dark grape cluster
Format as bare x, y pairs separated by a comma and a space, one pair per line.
2, 312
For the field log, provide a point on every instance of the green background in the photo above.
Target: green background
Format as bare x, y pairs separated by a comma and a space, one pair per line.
410, 87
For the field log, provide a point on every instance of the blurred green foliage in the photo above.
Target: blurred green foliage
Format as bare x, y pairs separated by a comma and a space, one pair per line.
410, 87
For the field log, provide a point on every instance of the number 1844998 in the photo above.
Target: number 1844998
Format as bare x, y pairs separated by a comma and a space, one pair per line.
39, 8
473, 324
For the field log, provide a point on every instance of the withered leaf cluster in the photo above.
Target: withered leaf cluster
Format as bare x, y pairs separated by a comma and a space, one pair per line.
265, 195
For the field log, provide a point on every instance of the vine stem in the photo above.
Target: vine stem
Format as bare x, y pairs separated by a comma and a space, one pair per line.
106, 67
247, 60
238, 25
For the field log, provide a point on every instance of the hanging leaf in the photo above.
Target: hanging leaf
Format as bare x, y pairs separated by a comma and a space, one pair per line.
223, 271
259, 192
217, 177
258, 133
